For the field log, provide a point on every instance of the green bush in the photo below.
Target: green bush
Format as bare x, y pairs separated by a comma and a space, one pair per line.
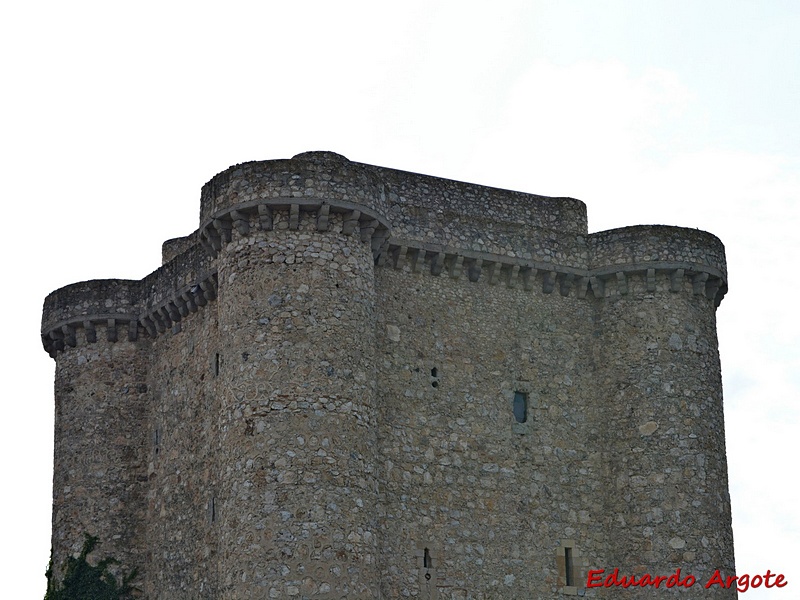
82, 581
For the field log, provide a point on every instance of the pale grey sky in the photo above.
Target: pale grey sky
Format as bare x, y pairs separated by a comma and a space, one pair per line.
674, 112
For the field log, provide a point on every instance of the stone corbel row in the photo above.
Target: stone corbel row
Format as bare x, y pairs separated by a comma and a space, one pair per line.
357, 221
494, 269
512, 272
183, 302
705, 280
64, 335
154, 321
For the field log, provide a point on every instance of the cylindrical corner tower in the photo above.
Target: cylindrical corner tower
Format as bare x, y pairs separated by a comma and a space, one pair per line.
101, 396
295, 244
659, 376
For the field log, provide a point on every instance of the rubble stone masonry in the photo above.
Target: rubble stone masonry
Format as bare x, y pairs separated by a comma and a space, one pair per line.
357, 382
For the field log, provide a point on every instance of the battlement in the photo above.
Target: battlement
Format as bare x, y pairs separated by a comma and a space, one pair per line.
353, 381
412, 206
658, 244
533, 242
126, 309
312, 176
679, 258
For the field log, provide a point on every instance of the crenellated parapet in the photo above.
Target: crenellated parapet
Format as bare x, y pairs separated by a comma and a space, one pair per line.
111, 305
622, 261
411, 222
177, 246
419, 202
412, 206
676, 257
476, 218
649, 243
269, 195
316, 177
120, 309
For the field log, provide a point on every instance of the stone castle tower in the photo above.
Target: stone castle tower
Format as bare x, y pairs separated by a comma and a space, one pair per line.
357, 382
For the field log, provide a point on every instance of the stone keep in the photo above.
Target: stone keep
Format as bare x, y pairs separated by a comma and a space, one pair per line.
358, 382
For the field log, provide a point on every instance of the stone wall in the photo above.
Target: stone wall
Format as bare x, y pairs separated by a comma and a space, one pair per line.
182, 448
99, 477
491, 498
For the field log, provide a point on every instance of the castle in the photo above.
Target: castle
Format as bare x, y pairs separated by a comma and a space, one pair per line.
358, 382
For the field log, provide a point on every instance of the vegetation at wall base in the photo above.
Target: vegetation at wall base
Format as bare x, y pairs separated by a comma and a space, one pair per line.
83, 581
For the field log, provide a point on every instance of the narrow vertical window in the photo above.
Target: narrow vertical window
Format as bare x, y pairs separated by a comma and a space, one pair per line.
427, 574
216, 364
521, 407
568, 566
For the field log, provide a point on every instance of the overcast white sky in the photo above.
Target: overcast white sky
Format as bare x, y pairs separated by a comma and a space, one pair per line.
680, 112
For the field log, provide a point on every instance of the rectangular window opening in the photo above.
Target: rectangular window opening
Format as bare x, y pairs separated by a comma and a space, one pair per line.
568, 567
521, 407
426, 559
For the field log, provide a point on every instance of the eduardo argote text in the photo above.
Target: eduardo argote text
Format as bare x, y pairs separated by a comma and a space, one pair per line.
602, 578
